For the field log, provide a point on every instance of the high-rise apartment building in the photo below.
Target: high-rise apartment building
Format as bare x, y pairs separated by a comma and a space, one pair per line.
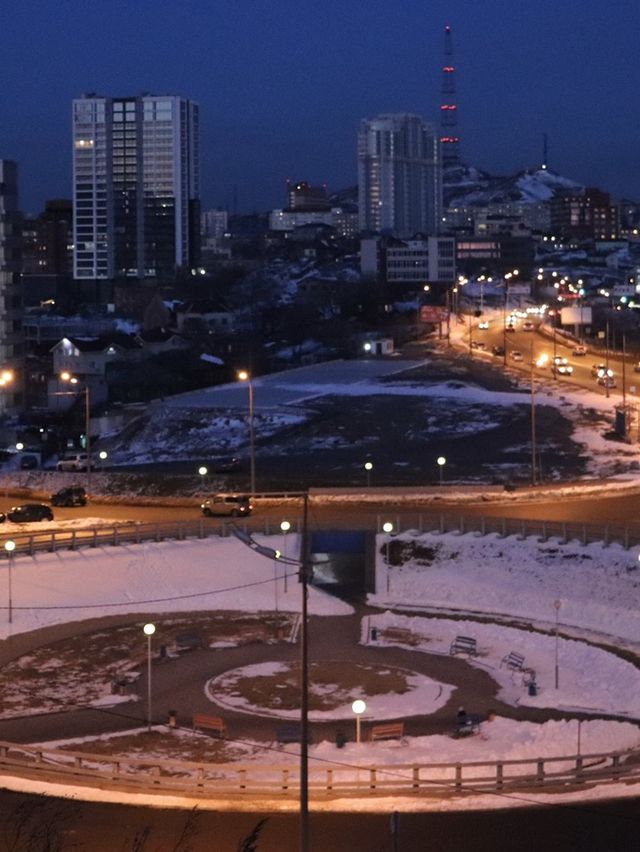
136, 184
399, 176
11, 338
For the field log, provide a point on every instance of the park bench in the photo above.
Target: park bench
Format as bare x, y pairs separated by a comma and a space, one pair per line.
464, 645
513, 661
290, 734
202, 722
467, 726
388, 731
400, 634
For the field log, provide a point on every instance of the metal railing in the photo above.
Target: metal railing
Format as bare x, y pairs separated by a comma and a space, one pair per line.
281, 781
486, 525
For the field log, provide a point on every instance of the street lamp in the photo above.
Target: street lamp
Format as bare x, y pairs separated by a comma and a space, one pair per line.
368, 466
73, 380
9, 547
245, 376
533, 424
103, 455
441, 461
387, 528
285, 526
358, 708
149, 630
557, 604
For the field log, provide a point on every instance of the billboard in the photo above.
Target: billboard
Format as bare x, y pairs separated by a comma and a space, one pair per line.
433, 314
575, 315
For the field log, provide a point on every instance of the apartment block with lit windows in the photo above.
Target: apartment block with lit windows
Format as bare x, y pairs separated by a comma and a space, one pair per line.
11, 336
136, 182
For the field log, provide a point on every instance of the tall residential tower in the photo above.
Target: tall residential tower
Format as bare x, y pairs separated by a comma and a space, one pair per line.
399, 176
136, 185
11, 337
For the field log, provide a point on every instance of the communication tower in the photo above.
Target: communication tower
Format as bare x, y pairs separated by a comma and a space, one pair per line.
449, 139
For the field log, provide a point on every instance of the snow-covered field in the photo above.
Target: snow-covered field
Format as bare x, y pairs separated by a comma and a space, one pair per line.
596, 587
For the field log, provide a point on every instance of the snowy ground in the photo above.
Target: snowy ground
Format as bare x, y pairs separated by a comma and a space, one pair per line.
596, 586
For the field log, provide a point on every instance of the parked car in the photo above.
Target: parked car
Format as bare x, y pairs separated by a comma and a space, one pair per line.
227, 504
75, 463
478, 344
29, 462
74, 495
28, 512
580, 350
516, 355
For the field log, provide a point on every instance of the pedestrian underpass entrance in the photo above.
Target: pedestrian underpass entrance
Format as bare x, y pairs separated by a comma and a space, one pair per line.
342, 562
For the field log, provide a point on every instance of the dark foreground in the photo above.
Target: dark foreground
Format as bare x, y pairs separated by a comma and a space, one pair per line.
40, 825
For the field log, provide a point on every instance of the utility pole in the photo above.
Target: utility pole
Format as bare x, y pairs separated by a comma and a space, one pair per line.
533, 424
304, 677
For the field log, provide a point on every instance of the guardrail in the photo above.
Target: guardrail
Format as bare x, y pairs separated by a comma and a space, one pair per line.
135, 533
281, 781
484, 525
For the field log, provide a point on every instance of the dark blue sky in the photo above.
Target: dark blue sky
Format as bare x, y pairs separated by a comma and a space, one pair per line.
283, 84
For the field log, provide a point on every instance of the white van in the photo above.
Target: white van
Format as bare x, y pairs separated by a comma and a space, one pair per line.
227, 504
78, 462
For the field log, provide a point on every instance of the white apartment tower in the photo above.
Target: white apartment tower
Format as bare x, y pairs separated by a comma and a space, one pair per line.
399, 176
136, 186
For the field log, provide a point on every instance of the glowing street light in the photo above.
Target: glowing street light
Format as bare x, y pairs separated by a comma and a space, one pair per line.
441, 461
149, 630
368, 466
285, 526
358, 708
387, 528
9, 547
557, 604
245, 376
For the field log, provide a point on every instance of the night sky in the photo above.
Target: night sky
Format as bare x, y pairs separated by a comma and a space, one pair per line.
283, 84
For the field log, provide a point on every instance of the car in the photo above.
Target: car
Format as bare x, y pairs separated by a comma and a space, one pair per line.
559, 359
235, 505
516, 355
607, 381
598, 370
498, 350
528, 326
580, 350
562, 369
74, 495
29, 463
74, 463
227, 465
478, 344
29, 512
510, 327
484, 325
636, 367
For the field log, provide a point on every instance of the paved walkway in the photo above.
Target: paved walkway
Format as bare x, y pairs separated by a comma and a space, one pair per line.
178, 684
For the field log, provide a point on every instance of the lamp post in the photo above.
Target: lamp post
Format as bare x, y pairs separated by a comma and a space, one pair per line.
557, 604
9, 547
245, 376
387, 528
203, 471
103, 455
358, 708
73, 380
303, 576
285, 526
368, 466
441, 463
533, 424
149, 630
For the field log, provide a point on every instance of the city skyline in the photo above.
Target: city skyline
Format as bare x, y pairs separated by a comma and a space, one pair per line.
283, 87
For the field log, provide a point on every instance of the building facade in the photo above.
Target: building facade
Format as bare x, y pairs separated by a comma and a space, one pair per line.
136, 184
11, 337
586, 215
399, 176
419, 261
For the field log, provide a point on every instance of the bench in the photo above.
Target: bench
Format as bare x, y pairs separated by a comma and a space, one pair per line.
467, 726
209, 723
400, 634
513, 661
464, 645
290, 734
389, 731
